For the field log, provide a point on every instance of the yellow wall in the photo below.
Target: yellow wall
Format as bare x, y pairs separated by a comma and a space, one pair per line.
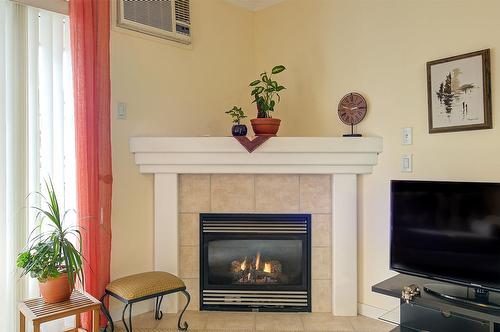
330, 47
170, 90
380, 48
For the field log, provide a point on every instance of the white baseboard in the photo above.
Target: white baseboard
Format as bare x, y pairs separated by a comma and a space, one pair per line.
370, 311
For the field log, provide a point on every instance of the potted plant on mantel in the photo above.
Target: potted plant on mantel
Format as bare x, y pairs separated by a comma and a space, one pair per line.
266, 95
50, 256
238, 129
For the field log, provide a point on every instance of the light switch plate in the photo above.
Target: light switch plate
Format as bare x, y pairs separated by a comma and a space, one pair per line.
407, 138
121, 111
406, 163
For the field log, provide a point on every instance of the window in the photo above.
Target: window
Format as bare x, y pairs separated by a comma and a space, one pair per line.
52, 124
36, 135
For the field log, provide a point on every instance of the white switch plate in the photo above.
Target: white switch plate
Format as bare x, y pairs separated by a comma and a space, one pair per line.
121, 111
407, 138
406, 163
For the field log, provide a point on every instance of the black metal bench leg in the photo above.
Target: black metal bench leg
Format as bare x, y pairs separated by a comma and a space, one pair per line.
130, 317
106, 313
128, 327
184, 326
158, 312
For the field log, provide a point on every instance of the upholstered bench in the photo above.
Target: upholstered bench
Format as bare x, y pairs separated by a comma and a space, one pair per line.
144, 286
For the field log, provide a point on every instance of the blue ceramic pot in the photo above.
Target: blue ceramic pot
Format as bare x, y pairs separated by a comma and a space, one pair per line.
239, 130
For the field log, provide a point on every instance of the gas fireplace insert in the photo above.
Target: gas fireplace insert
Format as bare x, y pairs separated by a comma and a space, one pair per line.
255, 262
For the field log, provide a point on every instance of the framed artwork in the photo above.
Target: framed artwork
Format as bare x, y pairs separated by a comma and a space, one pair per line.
459, 93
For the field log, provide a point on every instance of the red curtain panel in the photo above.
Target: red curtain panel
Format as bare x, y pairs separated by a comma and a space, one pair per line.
90, 28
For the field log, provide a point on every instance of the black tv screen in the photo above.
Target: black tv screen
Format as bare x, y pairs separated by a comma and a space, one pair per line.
448, 231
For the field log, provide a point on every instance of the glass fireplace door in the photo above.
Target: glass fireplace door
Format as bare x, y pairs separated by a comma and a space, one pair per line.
265, 262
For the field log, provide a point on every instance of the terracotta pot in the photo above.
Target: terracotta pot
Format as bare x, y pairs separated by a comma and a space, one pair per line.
57, 289
265, 126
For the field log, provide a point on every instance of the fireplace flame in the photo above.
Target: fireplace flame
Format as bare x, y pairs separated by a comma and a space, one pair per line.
244, 265
258, 264
256, 269
257, 260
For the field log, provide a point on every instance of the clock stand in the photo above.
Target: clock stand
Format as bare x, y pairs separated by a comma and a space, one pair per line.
352, 134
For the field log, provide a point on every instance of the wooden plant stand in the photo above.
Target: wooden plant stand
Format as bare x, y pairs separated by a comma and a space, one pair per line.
38, 312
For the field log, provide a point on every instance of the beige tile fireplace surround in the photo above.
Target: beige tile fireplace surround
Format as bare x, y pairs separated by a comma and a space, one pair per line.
266, 193
316, 175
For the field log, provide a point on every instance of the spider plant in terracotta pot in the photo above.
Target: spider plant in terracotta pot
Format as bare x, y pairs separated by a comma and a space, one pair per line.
50, 255
266, 95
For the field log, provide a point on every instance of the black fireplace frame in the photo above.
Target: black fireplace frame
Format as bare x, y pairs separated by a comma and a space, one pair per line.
221, 218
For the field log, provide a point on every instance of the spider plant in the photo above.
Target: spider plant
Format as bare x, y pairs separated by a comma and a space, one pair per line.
50, 252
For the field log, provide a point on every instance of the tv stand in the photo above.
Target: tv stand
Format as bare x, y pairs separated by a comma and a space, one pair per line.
479, 297
441, 306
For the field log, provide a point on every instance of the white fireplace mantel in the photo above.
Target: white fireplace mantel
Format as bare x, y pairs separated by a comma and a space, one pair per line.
311, 155
344, 158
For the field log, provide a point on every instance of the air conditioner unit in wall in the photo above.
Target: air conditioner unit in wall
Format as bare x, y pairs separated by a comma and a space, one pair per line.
168, 19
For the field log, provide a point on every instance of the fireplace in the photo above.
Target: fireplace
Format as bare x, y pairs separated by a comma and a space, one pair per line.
170, 158
255, 262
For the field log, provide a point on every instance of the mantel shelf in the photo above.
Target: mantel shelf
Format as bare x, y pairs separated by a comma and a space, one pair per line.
325, 155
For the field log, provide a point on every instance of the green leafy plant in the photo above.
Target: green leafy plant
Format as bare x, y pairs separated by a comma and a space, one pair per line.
50, 253
266, 92
236, 114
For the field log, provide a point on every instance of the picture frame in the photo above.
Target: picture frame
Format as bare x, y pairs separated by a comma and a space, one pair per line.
459, 93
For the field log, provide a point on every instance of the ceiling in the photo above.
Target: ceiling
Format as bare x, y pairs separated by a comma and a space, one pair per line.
254, 5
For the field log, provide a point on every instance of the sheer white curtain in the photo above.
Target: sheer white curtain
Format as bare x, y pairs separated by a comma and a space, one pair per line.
52, 129
13, 157
56, 114
36, 135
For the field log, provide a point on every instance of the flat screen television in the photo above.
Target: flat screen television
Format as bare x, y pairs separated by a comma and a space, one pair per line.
447, 231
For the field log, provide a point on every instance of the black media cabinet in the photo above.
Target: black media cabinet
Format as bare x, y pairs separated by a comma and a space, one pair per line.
430, 313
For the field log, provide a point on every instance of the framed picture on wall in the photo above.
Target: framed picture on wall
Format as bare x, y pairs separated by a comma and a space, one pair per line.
459, 93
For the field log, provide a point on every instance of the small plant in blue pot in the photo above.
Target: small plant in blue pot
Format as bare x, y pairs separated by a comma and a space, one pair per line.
238, 129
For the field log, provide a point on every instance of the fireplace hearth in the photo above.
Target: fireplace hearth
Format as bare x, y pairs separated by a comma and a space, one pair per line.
255, 262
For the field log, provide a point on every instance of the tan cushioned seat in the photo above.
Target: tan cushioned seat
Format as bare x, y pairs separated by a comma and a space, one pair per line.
144, 284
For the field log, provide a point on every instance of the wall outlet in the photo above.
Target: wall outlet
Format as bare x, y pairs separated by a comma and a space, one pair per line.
121, 111
406, 163
407, 138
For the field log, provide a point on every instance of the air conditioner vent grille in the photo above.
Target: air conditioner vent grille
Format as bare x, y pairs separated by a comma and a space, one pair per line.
168, 19
182, 11
157, 14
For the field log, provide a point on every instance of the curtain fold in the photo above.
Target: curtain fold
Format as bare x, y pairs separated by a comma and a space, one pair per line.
90, 28
13, 156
